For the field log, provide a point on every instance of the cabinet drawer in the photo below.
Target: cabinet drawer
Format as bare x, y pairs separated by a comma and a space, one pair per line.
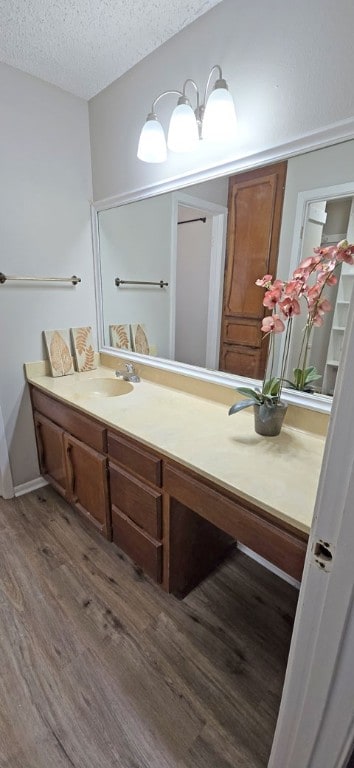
275, 541
135, 458
80, 426
136, 500
145, 551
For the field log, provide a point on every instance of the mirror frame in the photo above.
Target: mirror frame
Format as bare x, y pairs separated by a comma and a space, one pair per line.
317, 140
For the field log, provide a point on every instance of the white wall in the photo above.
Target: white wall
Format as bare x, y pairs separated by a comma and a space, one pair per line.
214, 191
135, 244
44, 197
264, 49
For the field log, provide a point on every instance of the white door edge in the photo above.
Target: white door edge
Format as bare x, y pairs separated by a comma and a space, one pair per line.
315, 727
216, 289
6, 484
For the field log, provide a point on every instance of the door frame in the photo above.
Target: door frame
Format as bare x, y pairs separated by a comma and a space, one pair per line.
304, 199
216, 274
315, 725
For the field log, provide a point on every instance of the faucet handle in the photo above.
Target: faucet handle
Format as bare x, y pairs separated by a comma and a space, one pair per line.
130, 367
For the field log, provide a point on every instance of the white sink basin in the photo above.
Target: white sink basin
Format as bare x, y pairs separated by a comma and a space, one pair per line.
97, 388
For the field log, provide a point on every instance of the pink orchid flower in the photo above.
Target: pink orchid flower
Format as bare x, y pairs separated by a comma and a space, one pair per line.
309, 263
272, 296
307, 282
294, 287
332, 280
272, 324
289, 306
265, 281
326, 276
312, 294
329, 252
323, 306
345, 252
301, 274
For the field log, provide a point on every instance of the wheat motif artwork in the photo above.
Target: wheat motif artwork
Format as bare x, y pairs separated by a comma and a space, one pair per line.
59, 354
83, 348
286, 300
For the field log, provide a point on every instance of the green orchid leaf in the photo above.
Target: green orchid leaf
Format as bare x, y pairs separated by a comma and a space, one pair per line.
311, 374
270, 402
304, 378
297, 373
271, 387
275, 388
236, 407
289, 383
250, 393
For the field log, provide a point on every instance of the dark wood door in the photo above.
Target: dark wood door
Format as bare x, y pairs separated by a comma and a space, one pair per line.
87, 482
254, 218
50, 445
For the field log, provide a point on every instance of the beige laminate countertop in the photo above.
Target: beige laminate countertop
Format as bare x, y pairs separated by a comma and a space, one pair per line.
279, 474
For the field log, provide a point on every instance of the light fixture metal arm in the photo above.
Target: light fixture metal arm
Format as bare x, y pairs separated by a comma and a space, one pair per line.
216, 66
165, 93
189, 80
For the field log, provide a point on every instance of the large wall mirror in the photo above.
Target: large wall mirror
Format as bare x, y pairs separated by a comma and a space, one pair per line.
160, 265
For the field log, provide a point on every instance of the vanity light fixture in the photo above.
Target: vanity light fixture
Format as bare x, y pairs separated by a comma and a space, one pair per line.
213, 119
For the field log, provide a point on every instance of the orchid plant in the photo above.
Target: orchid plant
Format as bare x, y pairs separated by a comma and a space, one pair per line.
285, 300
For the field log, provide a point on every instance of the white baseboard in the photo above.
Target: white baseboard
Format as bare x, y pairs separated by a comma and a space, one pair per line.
268, 565
32, 485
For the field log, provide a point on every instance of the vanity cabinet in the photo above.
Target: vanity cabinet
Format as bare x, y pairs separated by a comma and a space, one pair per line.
87, 487
172, 522
276, 541
51, 455
76, 470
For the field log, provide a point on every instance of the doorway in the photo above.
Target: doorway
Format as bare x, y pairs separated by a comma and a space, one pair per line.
198, 256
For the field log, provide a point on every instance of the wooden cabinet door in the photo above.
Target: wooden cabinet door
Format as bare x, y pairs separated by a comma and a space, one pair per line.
50, 444
87, 482
254, 218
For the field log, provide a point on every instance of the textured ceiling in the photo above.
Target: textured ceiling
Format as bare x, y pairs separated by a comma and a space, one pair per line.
83, 45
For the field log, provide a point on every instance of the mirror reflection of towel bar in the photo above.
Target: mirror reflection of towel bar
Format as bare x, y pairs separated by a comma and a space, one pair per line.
119, 282
190, 221
74, 280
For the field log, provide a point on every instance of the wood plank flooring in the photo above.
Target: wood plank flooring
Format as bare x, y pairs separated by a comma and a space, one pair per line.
101, 669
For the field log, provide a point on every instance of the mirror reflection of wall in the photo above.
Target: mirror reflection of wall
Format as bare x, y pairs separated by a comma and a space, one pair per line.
177, 238
136, 242
326, 223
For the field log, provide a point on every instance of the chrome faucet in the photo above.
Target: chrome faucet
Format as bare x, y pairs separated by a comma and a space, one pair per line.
129, 374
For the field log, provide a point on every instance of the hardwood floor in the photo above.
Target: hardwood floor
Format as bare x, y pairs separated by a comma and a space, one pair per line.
101, 669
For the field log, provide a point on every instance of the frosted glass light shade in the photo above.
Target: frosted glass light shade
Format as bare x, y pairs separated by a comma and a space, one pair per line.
219, 120
183, 129
152, 143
